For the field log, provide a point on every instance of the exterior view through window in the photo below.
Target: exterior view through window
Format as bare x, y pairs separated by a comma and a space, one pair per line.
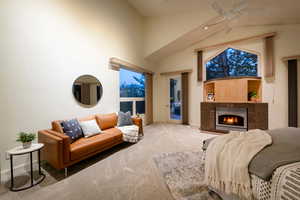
132, 92
175, 98
232, 63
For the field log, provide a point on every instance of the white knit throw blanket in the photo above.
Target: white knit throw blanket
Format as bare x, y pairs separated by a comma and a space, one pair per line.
227, 160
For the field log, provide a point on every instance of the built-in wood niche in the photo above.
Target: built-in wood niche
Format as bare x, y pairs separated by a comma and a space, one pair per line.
234, 90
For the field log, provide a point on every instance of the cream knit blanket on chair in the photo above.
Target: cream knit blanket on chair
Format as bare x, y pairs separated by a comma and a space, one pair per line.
227, 160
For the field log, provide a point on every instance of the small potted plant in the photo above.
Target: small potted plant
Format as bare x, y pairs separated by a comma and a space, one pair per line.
252, 96
26, 139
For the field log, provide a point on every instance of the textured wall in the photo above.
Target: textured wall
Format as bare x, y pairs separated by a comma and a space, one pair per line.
46, 45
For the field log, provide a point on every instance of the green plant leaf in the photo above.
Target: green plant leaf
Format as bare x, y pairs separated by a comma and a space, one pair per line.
26, 137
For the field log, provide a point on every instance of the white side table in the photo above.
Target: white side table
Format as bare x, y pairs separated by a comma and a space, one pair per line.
21, 151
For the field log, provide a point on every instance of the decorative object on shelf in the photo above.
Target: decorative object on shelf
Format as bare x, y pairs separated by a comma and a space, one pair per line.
210, 97
26, 139
87, 90
252, 96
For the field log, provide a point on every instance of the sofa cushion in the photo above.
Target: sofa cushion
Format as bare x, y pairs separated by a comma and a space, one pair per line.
56, 126
107, 121
72, 129
90, 128
124, 119
88, 118
85, 146
114, 132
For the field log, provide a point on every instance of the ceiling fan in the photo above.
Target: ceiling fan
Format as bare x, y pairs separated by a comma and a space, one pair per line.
227, 15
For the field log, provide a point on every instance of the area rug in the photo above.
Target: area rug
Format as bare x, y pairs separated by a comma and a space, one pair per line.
183, 173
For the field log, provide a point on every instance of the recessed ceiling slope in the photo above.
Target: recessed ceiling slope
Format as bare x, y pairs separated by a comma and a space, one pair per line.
258, 12
156, 8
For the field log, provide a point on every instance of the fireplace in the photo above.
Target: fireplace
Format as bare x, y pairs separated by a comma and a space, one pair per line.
231, 119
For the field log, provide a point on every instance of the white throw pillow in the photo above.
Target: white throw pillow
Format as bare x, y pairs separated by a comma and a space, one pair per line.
90, 128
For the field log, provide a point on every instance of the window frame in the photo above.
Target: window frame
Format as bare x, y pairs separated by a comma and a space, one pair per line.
132, 99
259, 60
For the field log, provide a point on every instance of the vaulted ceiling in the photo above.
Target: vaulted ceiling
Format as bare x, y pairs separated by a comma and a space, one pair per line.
264, 8
258, 12
155, 8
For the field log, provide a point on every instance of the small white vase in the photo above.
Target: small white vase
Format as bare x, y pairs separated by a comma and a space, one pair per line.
26, 145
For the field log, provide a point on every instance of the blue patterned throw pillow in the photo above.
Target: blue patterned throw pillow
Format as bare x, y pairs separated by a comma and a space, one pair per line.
72, 129
124, 119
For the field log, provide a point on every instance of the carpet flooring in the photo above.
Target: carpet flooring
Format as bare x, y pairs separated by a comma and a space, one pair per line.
125, 172
183, 173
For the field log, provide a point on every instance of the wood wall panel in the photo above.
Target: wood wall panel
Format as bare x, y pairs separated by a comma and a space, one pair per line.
185, 98
149, 99
270, 64
234, 90
293, 93
200, 65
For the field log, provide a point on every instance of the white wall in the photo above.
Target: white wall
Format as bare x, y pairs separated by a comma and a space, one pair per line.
46, 45
274, 93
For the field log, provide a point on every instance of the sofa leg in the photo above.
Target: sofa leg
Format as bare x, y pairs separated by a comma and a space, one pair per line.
66, 172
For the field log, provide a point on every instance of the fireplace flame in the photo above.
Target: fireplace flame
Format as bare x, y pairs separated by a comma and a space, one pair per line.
230, 120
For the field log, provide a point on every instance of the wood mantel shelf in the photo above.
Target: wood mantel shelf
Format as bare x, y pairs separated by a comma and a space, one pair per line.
233, 89
236, 77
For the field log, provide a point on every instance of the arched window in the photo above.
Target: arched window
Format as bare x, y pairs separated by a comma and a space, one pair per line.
232, 63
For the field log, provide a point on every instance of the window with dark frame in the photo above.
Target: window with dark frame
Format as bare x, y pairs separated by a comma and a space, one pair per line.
132, 92
232, 63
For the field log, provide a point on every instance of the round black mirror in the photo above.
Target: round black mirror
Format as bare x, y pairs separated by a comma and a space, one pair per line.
87, 90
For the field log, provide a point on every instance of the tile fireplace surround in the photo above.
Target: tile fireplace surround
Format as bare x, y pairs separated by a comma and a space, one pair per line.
256, 116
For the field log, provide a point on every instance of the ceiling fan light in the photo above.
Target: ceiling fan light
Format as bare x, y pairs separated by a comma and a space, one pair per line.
205, 27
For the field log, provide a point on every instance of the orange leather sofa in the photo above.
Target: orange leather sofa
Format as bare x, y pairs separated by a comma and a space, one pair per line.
61, 153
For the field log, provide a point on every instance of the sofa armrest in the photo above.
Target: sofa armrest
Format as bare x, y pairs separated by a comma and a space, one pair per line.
66, 144
139, 122
53, 148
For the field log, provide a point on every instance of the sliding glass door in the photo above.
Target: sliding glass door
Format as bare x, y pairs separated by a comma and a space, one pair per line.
175, 108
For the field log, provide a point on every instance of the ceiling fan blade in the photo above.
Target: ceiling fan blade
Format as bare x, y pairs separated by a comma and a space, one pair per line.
216, 6
241, 4
240, 7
